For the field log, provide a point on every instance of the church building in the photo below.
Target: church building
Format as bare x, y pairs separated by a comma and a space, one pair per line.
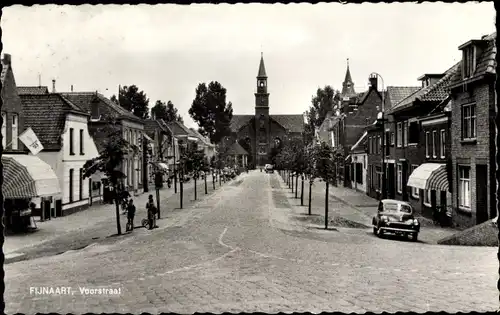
258, 134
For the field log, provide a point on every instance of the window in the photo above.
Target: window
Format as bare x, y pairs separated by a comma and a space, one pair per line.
427, 143
469, 62
464, 187
80, 178
15, 131
71, 149
359, 173
443, 143
427, 198
125, 170
379, 174
469, 121
81, 143
71, 185
434, 143
413, 132
400, 178
405, 134
379, 145
4, 130
415, 192
392, 138
399, 136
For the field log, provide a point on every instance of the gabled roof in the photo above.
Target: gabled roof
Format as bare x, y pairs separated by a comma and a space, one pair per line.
179, 129
486, 61
436, 92
239, 121
360, 141
150, 126
106, 106
21, 90
292, 123
203, 139
397, 93
236, 149
46, 115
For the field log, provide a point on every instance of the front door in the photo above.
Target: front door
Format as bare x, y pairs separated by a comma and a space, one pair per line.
390, 181
481, 194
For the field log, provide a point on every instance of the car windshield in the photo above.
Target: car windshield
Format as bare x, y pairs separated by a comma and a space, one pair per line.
396, 207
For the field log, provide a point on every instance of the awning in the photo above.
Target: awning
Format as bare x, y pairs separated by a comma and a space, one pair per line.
429, 176
27, 176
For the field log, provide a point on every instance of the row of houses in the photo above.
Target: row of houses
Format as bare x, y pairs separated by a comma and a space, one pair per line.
69, 125
431, 144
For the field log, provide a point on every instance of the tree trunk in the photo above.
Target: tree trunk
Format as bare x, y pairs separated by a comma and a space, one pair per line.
310, 190
206, 190
291, 182
158, 201
195, 188
326, 205
220, 180
117, 211
297, 186
181, 188
213, 180
175, 181
302, 190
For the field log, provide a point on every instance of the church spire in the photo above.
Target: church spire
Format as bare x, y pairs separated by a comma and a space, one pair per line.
348, 85
262, 68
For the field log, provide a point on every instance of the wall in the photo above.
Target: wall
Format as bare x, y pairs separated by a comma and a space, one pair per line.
12, 105
134, 176
360, 158
55, 160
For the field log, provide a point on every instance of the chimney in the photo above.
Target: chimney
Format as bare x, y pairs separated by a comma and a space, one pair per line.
94, 108
6, 59
71, 87
373, 81
53, 85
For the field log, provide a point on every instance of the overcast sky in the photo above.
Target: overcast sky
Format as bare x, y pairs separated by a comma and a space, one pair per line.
166, 50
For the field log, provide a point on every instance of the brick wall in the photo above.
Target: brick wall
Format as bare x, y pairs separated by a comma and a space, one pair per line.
478, 152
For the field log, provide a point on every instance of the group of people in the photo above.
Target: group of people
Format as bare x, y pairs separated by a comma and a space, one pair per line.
150, 207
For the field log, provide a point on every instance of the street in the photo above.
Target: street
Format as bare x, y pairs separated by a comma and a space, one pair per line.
240, 250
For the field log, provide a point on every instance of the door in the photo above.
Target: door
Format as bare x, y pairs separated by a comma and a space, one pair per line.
390, 181
481, 194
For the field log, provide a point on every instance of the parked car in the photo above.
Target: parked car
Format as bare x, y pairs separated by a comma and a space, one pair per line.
269, 168
395, 216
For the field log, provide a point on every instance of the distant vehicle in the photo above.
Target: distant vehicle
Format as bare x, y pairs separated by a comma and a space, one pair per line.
395, 216
269, 168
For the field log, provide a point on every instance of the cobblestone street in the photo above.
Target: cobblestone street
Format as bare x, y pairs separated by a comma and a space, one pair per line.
239, 250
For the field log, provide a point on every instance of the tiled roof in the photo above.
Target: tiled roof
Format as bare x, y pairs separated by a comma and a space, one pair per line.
293, 123
239, 121
106, 106
33, 90
486, 61
150, 126
397, 93
46, 115
236, 148
433, 93
205, 140
178, 129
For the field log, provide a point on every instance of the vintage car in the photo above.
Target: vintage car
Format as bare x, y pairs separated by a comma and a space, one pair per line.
395, 216
269, 168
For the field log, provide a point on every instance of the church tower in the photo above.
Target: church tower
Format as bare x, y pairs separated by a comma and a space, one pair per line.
348, 85
262, 116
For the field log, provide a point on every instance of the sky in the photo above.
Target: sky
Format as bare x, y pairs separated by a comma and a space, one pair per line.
167, 50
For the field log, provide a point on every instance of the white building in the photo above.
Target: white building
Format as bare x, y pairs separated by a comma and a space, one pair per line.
359, 164
61, 127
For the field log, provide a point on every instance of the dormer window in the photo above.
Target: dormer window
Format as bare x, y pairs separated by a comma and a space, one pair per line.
468, 61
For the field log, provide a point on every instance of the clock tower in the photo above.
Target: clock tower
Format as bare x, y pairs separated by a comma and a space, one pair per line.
262, 116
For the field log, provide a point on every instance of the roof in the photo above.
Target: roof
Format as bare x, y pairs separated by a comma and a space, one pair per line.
486, 61
292, 123
205, 140
179, 129
46, 115
106, 106
5, 67
262, 68
436, 92
21, 90
397, 93
150, 126
236, 149
239, 121
361, 139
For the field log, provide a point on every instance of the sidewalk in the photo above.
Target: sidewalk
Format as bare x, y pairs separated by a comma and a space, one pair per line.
93, 216
355, 206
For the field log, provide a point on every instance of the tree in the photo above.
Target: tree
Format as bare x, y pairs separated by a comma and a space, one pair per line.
109, 161
133, 100
321, 103
194, 161
210, 110
310, 169
167, 112
325, 170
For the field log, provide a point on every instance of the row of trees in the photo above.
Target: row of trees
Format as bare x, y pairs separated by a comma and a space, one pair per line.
296, 160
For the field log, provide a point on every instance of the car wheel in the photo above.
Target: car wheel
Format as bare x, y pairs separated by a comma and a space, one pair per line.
380, 232
414, 237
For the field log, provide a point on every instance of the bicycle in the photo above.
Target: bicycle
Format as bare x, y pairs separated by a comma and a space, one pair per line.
145, 223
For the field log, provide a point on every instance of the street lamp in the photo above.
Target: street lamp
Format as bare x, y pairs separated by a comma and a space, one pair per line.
384, 179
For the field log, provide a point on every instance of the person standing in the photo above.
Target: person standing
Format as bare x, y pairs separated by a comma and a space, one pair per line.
131, 214
151, 208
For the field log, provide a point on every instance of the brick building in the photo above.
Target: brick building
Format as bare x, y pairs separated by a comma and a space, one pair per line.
473, 149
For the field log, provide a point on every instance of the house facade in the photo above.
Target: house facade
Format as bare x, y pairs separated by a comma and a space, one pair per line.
359, 165
473, 149
132, 128
67, 146
160, 153
12, 115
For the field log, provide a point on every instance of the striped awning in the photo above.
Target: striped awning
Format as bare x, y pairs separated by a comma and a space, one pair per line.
27, 176
429, 176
